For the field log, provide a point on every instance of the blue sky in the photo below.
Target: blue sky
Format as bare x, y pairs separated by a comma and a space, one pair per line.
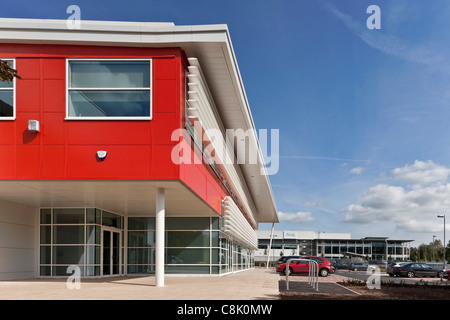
363, 114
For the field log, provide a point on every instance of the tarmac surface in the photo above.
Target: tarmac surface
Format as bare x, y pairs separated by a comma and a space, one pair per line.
326, 285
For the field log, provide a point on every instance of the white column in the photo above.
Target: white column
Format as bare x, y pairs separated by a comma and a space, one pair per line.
270, 246
159, 237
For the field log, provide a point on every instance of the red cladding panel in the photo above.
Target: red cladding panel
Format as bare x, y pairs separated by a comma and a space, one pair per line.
27, 162
52, 166
54, 69
54, 95
165, 96
29, 68
28, 95
7, 133
7, 161
53, 128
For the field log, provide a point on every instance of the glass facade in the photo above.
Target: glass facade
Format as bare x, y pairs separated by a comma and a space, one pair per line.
193, 246
72, 236
102, 243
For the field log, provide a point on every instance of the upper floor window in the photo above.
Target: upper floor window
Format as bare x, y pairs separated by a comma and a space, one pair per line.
7, 96
109, 89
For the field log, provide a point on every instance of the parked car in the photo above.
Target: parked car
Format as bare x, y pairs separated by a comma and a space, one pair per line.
339, 265
391, 266
446, 274
414, 269
360, 266
325, 266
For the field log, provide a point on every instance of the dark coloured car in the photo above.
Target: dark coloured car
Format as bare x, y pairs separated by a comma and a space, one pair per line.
358, 266
339, 265
283, 259
391, 266
414, 269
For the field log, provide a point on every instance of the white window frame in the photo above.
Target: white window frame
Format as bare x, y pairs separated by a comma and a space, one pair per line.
68, 60
9, 89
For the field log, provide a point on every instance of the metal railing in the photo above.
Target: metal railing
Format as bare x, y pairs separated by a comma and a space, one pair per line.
313, 272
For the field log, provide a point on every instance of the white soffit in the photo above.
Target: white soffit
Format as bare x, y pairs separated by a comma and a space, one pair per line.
211, 44
127, 197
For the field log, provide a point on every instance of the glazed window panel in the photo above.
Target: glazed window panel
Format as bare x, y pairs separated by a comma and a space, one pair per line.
7, 96
111, 220
46, 216
68, 255
141, 255
46, 234
109, 89
187, 256
93, 215
188, 239
187, 223
93, 234
141, 223
68, 216
109, 74
68, 234
141, 238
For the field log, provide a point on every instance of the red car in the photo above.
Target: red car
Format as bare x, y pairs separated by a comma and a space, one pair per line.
325, 266
446, 274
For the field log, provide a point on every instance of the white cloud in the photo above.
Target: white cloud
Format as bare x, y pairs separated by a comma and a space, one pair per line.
390, 44
298, 217
412, 208
421, 173
313, 203
357, 170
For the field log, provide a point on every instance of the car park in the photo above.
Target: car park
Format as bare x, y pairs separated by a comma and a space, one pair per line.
324, 265
415, 269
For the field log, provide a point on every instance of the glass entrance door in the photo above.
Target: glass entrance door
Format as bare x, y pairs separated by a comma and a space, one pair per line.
111, 240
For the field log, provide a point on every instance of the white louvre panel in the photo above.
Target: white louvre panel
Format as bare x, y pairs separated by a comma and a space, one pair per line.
236, 226
201, 100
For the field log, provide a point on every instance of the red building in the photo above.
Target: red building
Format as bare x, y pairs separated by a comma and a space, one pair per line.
105, 158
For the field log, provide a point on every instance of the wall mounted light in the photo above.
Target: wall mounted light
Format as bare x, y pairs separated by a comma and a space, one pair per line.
101, 155
33, 125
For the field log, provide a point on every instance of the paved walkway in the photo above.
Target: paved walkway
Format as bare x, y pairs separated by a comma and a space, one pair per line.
254, 284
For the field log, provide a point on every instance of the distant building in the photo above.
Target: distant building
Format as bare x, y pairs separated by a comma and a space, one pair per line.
329, 245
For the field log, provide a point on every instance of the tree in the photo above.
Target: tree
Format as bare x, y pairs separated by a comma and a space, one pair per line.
426, 252
7, 74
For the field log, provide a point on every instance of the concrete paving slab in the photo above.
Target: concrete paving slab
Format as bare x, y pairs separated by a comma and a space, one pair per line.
254, 284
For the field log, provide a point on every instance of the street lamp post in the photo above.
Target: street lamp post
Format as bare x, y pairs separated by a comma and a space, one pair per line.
443, 216
433, 246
